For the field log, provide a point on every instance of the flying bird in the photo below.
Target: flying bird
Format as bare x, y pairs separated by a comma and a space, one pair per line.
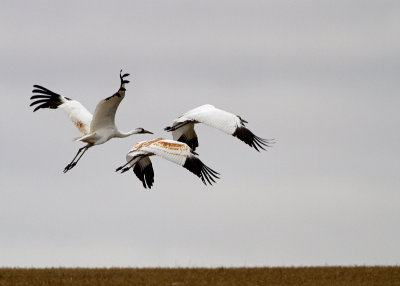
174, 151
183, 127
97, 128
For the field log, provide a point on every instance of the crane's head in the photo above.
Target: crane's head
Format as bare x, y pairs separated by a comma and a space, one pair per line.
140, 130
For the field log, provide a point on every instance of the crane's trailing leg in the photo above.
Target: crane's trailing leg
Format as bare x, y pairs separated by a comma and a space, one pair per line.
177, 126
124, 168
73, 162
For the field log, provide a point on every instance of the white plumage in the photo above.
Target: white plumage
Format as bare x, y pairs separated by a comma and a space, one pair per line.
78, 114
171, 150
96, 129
183, 127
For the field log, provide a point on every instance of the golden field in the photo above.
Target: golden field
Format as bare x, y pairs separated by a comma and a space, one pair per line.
388, 275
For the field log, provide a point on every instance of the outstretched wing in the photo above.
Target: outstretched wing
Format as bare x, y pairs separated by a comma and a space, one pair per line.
104, 114
78, 114
178, 153
183, 127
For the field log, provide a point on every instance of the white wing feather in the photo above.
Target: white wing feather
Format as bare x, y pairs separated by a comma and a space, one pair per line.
78, 114
213, 117
104, 114
173, 151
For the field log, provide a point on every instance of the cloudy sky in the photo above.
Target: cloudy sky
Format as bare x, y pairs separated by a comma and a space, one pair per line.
321, 77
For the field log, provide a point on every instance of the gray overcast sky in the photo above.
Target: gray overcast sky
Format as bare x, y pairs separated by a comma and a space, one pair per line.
322, 77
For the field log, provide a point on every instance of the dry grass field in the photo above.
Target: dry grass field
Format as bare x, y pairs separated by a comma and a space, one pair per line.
202, 276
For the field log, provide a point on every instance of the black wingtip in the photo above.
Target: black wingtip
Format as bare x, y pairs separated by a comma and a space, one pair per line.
47, 98
39, 95
123, 75
38, 86
252, 140
205, 173
145, 175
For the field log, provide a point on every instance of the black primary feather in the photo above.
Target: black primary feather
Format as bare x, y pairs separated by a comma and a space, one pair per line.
206, 174
121, 88
146, 174
250, 139
47, 98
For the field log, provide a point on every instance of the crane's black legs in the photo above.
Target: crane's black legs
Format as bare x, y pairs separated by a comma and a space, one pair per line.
124, 168
178, 125
73, 162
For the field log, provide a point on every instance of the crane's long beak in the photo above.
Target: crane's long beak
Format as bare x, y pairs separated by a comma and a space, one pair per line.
146, 131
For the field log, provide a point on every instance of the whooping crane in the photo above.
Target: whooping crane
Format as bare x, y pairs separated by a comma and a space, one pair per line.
174, 151
183, 127
96, 129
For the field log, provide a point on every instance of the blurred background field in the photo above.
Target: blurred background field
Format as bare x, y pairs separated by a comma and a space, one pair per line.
382, 275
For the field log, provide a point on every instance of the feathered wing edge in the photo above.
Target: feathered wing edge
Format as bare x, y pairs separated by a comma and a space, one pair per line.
252, 140
47, 98
122, 89
205, 173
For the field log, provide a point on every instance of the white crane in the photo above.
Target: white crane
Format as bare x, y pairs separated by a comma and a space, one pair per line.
183, 127
174, 151
96, 129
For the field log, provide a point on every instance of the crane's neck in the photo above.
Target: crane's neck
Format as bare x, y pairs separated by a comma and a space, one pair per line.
121, 134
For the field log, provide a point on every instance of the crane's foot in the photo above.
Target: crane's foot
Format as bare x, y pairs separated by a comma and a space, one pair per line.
66, 169
125, 169
69, 167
